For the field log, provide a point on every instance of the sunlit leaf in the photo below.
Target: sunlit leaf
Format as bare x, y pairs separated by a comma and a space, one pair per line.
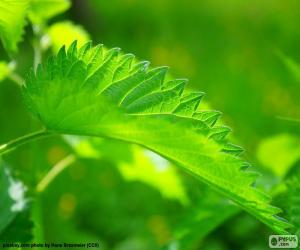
4, 70
279, 153
95, 92
42, 10
134, 164
70, 33
12, 22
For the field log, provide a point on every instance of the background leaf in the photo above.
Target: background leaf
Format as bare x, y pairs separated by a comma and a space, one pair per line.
15, 224
279, 153
4, 70
134, 164
12, 22
42, 10
294, 202
71, 32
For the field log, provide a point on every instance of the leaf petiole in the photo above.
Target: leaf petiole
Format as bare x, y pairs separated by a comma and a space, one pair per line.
4, 148
55, 171
16, 78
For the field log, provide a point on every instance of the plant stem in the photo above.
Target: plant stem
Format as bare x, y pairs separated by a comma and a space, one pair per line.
16, 78
289, 119
4, 148
37, 31
37, 208
37, 55
55, 171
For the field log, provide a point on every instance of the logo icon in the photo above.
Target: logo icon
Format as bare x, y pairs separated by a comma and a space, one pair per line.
283, 241
274, 241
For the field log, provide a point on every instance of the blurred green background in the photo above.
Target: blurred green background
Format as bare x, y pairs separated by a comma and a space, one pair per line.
228, 49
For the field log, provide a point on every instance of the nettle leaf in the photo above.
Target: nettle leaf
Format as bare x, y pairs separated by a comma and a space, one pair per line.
70, 32
42, 10
97, 92
12, 22
15, 224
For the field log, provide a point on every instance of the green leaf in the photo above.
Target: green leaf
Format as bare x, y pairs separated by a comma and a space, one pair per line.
291, 65
210, 212
19, 230
294, 202
14, 218
42, 10
12, 22
70, 33
95, 92
6, 215
134, 164
4, 70
279, 153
